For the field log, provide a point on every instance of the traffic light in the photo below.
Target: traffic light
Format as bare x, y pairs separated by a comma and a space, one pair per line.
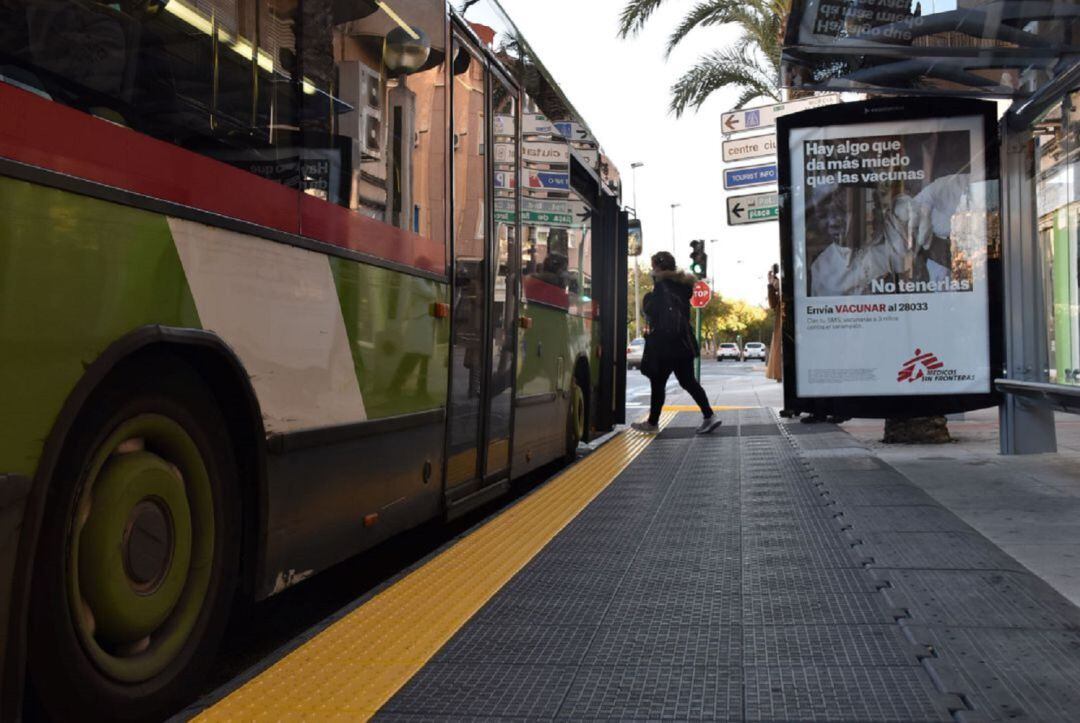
699, 260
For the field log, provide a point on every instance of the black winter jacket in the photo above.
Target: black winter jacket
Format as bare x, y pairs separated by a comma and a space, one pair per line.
680, 286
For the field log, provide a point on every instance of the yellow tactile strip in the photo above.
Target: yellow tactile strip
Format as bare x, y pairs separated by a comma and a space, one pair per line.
355, 666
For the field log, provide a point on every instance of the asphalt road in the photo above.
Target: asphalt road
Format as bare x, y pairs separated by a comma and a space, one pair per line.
727, 383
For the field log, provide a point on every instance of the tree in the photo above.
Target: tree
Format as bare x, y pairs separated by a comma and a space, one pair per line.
752, 63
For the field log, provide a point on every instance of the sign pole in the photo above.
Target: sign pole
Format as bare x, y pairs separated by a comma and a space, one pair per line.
697, 364
700, 298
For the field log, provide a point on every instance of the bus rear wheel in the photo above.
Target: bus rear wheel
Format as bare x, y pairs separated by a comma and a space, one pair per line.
139, 550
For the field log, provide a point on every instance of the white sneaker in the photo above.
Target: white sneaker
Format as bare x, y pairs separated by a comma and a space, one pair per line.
709, 424
645, 427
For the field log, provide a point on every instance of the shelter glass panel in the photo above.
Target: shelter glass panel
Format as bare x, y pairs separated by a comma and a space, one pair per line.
1056, 164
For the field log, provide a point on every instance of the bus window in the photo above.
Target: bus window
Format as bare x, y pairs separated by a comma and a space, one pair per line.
546, 210
579, 255
213, 76
374, 105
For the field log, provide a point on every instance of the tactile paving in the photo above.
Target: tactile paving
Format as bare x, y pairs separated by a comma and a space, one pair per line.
666, 645
762, 580
842, 694
518, 645
643, 692
463, 691
761, 573
827, 645
802, 608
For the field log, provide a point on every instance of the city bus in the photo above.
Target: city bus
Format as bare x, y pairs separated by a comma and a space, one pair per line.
279, 279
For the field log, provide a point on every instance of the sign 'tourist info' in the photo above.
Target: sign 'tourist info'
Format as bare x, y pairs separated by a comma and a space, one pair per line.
890, 273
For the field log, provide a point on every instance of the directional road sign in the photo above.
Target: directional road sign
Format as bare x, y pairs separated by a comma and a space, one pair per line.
753, 208
545, 152
744, 149
751, 119
702, 295
545, 180
749, 176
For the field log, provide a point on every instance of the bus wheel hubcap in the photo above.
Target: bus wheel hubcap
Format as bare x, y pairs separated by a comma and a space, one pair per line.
141, 547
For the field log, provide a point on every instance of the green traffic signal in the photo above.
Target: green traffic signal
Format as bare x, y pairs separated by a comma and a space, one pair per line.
699, 260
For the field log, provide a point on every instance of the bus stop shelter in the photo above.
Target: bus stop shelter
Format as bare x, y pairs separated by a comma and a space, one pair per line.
1026, 56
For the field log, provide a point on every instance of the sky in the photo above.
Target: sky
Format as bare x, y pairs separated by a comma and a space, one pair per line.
622, 89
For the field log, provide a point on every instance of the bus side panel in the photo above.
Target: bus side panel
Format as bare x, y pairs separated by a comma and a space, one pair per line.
66, 293
547, 354
349, 362
322, 498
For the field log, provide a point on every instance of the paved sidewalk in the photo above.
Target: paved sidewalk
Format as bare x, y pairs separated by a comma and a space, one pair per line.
1029, 505
770, 573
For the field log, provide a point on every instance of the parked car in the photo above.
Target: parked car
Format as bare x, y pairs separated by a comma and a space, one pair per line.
755, 350
634, 352
729, 350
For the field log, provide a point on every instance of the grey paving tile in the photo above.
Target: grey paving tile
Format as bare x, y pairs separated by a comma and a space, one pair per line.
479, 643
979, 599
881, 495
827, 645
627, 643
556, 608
767, 580
1009, 674
935, 550
654, 693
801, 608
842, 694
461, 691
916, 518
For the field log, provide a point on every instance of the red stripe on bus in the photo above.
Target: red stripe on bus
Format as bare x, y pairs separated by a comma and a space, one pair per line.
357, 232
545, 293
52, 136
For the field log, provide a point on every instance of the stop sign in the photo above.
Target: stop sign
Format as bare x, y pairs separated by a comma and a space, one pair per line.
702, 295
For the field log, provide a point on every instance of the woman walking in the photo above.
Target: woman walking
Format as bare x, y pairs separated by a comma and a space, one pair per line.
670, 346
775, 368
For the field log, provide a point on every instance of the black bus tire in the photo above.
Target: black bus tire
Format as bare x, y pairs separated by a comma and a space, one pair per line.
153, 433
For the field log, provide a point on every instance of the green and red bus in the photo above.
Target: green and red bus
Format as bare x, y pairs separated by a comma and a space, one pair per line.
279, 279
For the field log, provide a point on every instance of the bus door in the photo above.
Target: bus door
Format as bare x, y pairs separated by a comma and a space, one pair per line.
485, 298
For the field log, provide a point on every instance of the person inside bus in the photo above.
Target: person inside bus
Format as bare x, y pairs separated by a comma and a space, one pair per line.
670, 345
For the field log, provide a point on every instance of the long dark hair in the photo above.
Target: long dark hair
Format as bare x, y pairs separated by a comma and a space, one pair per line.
663, 261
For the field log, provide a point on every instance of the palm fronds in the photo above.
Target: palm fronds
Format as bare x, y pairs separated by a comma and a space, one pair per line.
635, 15
731, 66
752, 64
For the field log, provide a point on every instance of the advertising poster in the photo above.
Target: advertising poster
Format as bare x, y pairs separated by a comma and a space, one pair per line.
889, 234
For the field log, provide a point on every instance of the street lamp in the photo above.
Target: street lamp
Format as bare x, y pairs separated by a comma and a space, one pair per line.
637, 259
673, 207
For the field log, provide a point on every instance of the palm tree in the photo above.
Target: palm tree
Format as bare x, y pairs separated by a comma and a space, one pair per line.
752, 63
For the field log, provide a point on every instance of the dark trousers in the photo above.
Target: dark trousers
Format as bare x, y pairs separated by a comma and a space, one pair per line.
684, 372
